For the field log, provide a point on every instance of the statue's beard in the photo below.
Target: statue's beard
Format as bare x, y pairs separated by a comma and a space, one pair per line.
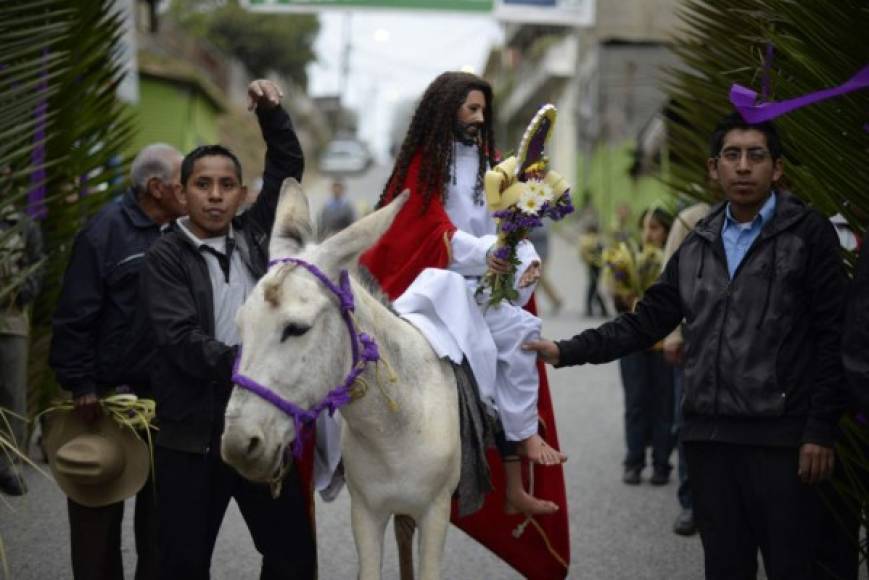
467, 133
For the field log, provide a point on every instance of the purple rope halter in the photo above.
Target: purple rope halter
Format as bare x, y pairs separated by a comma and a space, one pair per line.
363, 347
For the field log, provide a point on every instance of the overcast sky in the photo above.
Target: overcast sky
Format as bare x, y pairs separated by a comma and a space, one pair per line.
394, 56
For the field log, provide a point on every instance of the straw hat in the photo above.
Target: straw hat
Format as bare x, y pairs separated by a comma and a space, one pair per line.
95, 464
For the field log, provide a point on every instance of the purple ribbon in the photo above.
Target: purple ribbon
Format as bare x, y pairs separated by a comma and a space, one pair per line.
340, 395
36, 197
745, 99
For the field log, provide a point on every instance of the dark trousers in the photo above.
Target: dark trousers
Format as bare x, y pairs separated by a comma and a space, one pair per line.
749, 498
684, 491
95, 537
194, 491
592, 296
839, 552
648, 383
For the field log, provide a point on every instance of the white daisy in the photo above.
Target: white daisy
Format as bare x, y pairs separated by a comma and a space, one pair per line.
541, 190
530, 203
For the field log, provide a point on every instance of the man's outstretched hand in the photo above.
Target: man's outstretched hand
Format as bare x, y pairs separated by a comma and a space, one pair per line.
263, 93
546, 350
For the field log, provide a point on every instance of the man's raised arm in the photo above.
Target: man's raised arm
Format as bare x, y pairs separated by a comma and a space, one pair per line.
284, 156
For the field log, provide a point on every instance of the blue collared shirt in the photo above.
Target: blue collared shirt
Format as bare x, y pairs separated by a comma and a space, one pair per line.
738, 237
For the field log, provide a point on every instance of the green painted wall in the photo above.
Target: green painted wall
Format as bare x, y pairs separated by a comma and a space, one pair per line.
173, 113
610, 184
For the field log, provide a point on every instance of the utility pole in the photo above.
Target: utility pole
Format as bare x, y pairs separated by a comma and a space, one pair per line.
345, 54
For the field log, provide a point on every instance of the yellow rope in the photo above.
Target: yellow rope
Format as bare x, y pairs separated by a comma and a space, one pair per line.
361, 386
127, 410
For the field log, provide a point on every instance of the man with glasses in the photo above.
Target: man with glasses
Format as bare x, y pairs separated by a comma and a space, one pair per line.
760, 285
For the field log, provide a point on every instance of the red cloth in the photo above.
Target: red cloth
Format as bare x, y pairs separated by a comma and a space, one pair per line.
305, 468
418, 240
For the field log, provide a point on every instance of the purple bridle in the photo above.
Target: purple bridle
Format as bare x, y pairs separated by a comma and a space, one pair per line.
363, 347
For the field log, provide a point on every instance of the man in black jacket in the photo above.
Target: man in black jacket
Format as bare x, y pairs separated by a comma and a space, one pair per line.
91, 333
760, 285
195, 279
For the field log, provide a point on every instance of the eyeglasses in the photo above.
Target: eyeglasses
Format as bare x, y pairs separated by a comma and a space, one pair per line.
755, 155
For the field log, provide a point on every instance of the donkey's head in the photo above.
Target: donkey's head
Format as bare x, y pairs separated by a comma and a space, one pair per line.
295, 341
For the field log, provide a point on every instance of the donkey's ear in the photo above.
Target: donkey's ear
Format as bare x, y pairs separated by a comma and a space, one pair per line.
293, 228
342, 250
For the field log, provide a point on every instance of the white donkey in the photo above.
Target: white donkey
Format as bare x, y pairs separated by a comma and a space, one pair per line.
402, 460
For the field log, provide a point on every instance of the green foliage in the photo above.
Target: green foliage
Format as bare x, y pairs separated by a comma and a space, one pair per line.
816, 45
59, 78
262, 42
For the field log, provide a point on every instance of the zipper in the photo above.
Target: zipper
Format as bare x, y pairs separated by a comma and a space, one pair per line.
727, 294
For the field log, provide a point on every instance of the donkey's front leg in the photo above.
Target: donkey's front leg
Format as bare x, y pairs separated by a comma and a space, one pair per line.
432, 534
368, 529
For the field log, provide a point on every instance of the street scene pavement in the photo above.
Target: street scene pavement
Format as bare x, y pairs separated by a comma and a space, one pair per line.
617, 531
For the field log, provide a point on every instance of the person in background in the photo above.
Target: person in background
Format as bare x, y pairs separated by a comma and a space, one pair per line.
674, 346
590, 250
648, 384
20, 255
337, 214
540, 238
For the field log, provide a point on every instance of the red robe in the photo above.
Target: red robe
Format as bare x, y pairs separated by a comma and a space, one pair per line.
418, 240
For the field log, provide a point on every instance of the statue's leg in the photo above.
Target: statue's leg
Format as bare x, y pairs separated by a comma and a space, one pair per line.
432, 535
368, 529
404, 528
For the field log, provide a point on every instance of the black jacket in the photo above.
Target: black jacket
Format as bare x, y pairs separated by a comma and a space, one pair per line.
99, 298
762, 358
191, 370
855, 346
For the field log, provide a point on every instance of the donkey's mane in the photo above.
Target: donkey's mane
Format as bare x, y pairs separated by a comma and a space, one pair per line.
370, 283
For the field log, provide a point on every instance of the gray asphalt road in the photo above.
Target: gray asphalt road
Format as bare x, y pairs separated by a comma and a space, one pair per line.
616, 531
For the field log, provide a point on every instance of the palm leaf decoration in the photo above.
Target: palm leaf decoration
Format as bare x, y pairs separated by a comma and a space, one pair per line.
813, 45
63, 132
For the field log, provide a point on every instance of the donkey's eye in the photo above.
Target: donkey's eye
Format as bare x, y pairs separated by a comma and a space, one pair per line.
294, 330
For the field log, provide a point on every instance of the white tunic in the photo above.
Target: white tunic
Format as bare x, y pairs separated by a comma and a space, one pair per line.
443, 306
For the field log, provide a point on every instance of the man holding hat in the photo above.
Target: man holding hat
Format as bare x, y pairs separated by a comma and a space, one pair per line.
90, 350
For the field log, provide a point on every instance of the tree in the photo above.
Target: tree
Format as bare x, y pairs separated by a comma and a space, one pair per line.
262, 42
62, 129
799, 47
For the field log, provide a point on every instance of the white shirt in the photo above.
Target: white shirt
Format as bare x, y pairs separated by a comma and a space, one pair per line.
476, 227
228, 294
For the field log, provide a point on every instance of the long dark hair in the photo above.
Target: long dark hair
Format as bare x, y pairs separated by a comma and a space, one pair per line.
431, 133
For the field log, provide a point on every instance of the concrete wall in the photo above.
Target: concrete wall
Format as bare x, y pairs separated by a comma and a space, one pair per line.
636, 20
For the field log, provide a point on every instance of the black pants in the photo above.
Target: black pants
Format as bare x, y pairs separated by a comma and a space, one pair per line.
648, 382
749, 498
592, 295
684, 491
95, 538
194, 491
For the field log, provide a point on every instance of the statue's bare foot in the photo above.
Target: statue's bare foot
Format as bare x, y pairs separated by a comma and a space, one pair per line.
520, 501
536, 450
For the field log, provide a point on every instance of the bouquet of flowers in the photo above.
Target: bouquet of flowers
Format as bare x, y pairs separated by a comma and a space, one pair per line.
632, 270
521, 191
